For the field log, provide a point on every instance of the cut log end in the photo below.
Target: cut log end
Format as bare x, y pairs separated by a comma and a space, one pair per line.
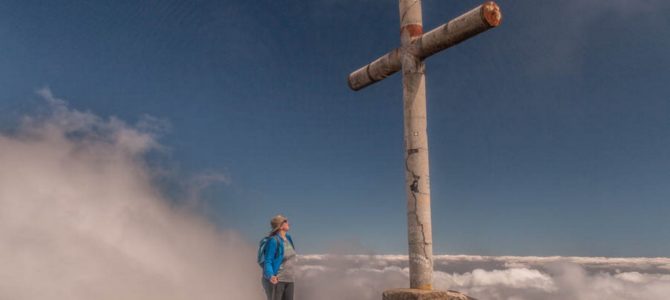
351, 84
491, 14
355, 83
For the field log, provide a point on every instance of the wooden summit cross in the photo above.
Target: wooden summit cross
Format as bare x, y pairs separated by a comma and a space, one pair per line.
415, 47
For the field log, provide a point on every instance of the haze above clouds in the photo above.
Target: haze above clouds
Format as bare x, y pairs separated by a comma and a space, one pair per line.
82, 218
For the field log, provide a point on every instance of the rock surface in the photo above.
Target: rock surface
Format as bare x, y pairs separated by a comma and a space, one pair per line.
415, 294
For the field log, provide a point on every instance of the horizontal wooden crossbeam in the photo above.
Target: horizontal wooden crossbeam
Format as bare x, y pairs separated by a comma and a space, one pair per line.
477, 20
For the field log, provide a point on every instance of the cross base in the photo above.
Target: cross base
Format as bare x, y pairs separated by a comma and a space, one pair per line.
416, 294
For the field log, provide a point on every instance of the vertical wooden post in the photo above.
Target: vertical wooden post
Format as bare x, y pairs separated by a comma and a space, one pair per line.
417, 179
415, 47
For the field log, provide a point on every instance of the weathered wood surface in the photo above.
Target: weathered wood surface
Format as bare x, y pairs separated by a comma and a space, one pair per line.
417, 183
409, 57
478, 20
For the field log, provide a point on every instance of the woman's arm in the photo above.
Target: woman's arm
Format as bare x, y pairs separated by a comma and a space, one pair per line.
270, 254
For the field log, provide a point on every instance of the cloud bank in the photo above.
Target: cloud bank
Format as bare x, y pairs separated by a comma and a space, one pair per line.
503, 277
81, 219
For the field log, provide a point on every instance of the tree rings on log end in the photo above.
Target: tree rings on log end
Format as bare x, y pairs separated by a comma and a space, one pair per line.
491, 13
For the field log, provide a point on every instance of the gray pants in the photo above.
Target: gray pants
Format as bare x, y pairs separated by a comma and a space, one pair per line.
279, 291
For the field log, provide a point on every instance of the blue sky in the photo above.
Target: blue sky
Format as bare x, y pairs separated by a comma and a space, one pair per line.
548, 135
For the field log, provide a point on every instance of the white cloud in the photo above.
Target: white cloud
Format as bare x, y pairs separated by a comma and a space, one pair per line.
487, 277
515, 278
80, 219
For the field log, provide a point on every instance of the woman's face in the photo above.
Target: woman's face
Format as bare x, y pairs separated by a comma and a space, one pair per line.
285, 226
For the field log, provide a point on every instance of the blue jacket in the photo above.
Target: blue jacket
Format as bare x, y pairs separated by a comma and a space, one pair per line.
274, 256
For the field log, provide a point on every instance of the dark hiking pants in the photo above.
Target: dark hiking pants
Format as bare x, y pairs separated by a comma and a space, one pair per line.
279, 291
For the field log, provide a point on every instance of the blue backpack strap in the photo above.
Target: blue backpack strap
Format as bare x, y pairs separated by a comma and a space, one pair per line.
276, 238
290, 240
262, 247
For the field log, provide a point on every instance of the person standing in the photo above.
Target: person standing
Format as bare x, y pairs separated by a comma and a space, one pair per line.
280, 261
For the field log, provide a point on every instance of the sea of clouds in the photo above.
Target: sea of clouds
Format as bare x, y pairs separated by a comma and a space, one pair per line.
81, 217
491, 277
